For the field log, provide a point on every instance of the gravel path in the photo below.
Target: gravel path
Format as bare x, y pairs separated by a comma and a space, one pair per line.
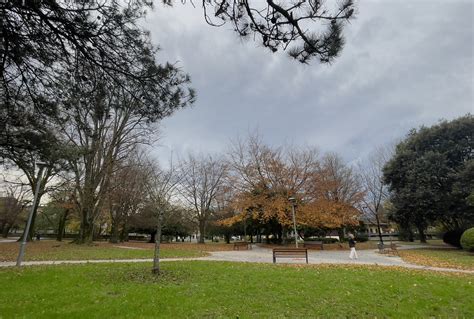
264, 255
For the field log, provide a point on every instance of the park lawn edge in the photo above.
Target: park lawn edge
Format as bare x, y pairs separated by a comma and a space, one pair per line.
199, 289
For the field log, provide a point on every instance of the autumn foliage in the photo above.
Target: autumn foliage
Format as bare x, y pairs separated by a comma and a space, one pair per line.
326, 190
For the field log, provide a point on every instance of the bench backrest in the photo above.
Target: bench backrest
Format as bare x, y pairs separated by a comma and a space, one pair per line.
290, 251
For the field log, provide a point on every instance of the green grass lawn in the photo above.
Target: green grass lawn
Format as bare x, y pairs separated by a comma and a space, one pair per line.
449, 258
430, 242
199, 289
52, 250
77, 252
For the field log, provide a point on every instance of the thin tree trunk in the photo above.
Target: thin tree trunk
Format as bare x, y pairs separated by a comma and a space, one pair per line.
156, 257
152, 236
124, 233
341, 234
411, 236
421, 231
378, 228
284, 235
6, 230
31, 233
62, 225
202, 229
114, 234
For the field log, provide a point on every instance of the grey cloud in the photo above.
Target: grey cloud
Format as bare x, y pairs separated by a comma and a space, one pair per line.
406, 63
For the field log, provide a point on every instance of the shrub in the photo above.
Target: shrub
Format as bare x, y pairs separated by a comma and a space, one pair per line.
361, 237
453, 237
467, 240
405, 234
324, 240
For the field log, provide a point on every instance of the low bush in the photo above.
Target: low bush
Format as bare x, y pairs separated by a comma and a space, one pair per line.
406, 235
467, 240
453, 237
324, 240
362, 237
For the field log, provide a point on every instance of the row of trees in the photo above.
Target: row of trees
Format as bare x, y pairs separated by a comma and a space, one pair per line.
426, 182
246, 191
251, 184
81, 86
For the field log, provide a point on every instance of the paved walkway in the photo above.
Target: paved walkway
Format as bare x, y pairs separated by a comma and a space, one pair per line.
264, 255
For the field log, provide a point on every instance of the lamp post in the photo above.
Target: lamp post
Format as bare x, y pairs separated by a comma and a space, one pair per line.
293, 204
30, 217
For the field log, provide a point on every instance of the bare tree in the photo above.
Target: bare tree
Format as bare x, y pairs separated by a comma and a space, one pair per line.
12, 204
376, 192
160, 189
104, 122
126, 194
339, 182
200, 179
61, 208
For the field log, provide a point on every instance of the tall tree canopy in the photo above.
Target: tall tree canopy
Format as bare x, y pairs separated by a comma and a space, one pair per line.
40, 39
327, 191
430, 176
39, 36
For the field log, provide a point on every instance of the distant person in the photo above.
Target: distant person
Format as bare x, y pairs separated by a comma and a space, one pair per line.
352, 246
38, 236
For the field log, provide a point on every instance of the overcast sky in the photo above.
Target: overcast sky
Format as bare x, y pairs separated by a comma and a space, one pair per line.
406, 63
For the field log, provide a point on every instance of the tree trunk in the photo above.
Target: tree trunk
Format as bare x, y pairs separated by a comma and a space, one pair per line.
31, 233
202, 229
124, 233
421, 231
156, 257
62, 225
284, 235
86, 232
6, 230
378, 228
152, 236
114, 233
340, 233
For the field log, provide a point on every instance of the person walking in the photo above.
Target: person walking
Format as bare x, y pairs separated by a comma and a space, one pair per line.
352, 246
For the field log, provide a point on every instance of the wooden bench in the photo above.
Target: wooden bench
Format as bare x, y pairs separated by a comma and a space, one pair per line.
290, 253
243, 245
314, 244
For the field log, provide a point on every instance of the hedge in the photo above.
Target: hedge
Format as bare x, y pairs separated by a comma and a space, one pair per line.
467, 240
